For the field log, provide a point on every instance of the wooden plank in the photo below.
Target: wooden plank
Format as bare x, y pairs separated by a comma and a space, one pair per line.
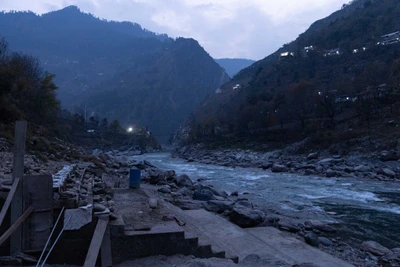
16, 224
96, 242
18, 172
10, 196
105, 250
38, 192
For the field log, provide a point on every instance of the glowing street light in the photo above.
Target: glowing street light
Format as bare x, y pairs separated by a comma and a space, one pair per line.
130, 129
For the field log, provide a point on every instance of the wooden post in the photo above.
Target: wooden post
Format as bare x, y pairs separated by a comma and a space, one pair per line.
18, 172
96, 242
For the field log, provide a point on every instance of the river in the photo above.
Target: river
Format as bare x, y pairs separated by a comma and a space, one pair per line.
365, 209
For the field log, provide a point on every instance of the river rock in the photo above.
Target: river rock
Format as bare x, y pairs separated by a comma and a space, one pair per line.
388, 172
246, 217
203, 195
279, 168
396, 251
311, 239
330, 173
266, 165
288, 226
184, 191
388, 156
362, 168
325, 241
312, 156
244, 203
98, 207
318, 225
375, 248
325, 161
155, 176
164, 189
183, 181
235, 194
153, 203
219, 206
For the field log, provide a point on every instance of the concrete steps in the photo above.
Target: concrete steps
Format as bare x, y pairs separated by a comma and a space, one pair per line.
193, 228
163, 238
205, 235
273, 246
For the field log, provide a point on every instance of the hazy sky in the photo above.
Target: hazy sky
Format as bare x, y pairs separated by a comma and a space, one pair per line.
225, 28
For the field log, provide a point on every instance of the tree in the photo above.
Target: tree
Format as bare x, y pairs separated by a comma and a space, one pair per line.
115, 126
104, 124
302, 101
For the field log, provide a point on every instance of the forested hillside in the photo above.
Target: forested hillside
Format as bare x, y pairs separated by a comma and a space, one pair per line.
342, 74
116, 69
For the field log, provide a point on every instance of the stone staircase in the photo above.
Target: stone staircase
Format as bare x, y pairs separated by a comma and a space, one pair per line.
163, 238
206, 235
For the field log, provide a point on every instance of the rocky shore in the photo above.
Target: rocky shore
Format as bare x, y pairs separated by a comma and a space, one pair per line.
382, 166
236, 207
110, 170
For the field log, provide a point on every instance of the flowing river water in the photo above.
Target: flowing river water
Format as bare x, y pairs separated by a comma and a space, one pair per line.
365, 209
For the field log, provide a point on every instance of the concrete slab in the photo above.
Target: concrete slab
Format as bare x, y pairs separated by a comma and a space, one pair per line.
133, 205
297, 250
234, 240
79, 218
272, 245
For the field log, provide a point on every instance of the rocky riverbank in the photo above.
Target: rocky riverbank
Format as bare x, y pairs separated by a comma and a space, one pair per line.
237, 207
110, 170
383, 166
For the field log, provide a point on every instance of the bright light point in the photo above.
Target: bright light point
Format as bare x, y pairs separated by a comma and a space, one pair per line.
130, 129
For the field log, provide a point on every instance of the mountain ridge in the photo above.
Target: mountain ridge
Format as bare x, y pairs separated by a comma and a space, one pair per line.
306, 85
92, 57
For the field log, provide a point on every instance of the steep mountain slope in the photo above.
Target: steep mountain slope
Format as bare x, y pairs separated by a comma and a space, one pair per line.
116, 69
343, 67
234, 65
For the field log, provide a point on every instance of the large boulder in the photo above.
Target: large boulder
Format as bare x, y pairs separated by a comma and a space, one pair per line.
288, 226
325, 241
375, 248
219, 206
362, 168
203, 195
311, 239
183, 181
246, 217
388, 172
312, 156
279, 168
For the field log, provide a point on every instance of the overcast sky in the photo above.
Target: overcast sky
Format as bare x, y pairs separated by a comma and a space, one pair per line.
225, 28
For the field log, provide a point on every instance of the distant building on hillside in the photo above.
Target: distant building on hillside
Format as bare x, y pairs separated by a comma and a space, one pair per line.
306, 50
236, 87
390, 38
356, 51
332, 52
286, 55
